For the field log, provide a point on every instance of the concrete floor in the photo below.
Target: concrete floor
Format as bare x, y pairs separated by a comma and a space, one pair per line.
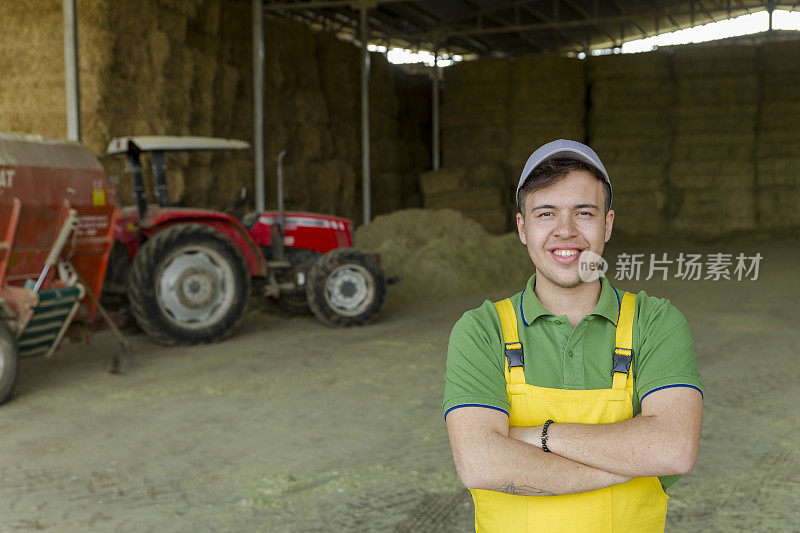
292, 426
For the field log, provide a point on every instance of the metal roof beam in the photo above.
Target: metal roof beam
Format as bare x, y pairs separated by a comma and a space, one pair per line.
482, 11
585, 14
323, 4
545, 18
564, 24
472, 5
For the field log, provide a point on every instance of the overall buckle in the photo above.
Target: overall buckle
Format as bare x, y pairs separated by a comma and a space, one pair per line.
622, 360
514, 354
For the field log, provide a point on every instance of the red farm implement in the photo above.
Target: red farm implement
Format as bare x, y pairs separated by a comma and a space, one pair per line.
57, 217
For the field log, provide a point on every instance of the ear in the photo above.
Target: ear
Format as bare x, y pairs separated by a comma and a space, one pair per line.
609, 224
521, 229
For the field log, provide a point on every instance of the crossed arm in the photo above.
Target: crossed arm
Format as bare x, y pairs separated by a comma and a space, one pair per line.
662, 440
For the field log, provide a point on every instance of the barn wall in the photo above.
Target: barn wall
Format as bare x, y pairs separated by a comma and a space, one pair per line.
700, 142
184, 68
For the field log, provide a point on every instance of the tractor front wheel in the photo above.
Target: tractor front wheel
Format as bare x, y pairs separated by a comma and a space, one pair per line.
346, 287
8, 363
188, 285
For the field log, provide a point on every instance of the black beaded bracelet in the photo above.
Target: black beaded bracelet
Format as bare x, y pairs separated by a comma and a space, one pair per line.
544, 436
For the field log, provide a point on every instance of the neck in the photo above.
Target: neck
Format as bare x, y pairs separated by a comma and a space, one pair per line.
574, 302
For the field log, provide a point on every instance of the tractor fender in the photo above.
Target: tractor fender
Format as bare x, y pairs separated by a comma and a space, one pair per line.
222, 222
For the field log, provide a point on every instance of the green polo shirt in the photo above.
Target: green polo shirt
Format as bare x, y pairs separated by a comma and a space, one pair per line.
559, 356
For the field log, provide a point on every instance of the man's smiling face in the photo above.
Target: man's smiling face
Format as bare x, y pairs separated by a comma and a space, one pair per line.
560, 222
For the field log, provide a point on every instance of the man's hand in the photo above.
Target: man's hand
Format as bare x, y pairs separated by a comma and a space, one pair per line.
487, 458
662, 440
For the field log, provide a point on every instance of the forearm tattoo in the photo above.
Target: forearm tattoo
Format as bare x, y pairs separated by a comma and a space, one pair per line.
523, 490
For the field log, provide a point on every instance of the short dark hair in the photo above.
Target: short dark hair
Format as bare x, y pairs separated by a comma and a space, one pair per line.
551, 172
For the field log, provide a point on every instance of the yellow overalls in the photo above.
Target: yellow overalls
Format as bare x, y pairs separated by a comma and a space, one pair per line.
639, 505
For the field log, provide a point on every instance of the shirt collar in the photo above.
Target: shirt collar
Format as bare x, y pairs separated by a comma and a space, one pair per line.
607, 305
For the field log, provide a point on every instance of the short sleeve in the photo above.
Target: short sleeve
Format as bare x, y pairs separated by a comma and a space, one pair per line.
475, 375
666, 355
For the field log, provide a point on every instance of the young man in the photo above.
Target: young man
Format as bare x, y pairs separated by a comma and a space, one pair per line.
584, 425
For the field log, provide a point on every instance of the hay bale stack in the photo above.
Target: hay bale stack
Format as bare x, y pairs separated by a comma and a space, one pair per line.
475, 112
32, 62
629, 128
184, 68
715, 117
778, 148
548, 101
478, 192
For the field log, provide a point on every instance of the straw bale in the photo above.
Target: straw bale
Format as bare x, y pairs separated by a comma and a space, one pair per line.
780, 56
474, 198
777, 206
779, 143
495, 221
781, 115
533, 119
781, 86
714, 211
741, 89
632, 92
779, 171
736, 145
639, 212
32, 62
456, 178
546, 96
387, 192
636, 177
721, 173
626, 150
648, 65
524, 141
712, 119
533, 69
651, 123
470, 145
492, 115
471, 72
706, 61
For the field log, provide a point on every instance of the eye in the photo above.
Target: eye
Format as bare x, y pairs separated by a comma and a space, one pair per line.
585, 213
545, 214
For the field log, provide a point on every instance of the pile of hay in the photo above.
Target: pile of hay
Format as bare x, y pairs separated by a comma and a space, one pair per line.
441, 253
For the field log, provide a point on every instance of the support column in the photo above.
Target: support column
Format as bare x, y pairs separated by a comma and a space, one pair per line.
770, 9
365, 155
258, 101
435, 134
71, 71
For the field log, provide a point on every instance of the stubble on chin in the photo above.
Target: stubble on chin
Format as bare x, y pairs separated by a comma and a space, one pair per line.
566, 282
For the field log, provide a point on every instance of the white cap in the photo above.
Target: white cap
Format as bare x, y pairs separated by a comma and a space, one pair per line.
562, 149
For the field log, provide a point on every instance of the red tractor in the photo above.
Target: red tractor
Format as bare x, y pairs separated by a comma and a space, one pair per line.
188, 272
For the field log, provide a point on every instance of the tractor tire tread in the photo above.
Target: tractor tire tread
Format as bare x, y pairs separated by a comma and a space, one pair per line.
141, 289
315, 286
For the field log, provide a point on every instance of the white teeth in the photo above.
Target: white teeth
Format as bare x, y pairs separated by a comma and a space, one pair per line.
565, 253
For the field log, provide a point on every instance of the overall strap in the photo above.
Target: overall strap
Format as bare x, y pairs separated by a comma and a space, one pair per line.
513, 348
623, 353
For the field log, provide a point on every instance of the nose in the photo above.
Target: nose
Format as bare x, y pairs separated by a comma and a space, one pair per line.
566, 227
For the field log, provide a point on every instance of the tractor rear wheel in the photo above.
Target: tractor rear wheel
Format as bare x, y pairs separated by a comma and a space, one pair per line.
188, 285
346, 287
9, 363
